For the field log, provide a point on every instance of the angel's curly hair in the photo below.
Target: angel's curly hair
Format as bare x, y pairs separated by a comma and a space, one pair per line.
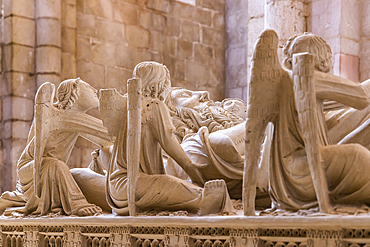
67, 93
316, 46
155, 79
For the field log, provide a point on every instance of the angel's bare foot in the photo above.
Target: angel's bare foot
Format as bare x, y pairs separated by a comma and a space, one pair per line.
213, 197
348, 209
89, 210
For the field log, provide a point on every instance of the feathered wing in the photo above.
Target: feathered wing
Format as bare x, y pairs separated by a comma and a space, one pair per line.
43, 107
305, 98
112, 106
262, 106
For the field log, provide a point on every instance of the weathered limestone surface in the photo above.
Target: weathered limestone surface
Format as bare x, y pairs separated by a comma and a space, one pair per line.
229, 231
237, 47
242, 32
113, 36
102, 40
18, 83
293, 21
344, 24
339, 22
365, 42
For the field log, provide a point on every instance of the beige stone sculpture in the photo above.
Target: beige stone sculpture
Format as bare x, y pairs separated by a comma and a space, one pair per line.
235, 106
155, 190
45, 184
212, 135
306, 170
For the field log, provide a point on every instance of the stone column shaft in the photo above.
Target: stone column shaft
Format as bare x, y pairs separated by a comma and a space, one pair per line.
69, 46
48, 41
18, 83
286, 17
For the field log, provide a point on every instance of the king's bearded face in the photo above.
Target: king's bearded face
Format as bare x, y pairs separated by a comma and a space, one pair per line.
195, 109
183, 98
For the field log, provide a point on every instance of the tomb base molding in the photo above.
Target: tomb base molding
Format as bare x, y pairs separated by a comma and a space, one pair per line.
217, 231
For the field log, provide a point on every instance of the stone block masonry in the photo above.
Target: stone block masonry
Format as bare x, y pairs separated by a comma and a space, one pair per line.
344, 24
113, 36
18, 38
100, 41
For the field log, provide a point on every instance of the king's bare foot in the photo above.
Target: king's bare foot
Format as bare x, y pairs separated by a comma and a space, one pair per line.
213, 198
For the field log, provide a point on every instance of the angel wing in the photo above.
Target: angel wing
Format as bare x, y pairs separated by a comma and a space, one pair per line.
305, 99
262, 107
112, 106
116, 110
49, 119
43, 107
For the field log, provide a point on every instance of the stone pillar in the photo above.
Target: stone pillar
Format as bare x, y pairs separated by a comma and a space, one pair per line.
286, 17
69, 30
48, 41
18, 84
365, 42
339, 23
237, 48
244, 23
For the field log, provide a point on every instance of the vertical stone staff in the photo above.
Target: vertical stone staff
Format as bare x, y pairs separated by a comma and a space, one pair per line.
133, 139
305, 100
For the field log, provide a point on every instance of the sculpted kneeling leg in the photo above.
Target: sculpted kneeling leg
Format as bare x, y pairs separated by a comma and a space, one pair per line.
45, 184
155, 189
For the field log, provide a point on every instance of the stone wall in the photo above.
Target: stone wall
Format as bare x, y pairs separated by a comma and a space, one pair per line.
113, 36
344, 24
100, 41
18, 82
365, 41
339, 23
244, 22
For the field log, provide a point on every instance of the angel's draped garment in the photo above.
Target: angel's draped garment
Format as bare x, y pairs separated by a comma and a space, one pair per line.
59, 191
347, 166
155, 189
212, 166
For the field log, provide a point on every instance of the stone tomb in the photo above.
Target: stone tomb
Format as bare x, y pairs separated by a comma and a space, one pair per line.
318, 187
256, 231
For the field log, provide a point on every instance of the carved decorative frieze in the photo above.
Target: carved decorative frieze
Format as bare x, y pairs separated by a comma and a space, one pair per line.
121, 235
